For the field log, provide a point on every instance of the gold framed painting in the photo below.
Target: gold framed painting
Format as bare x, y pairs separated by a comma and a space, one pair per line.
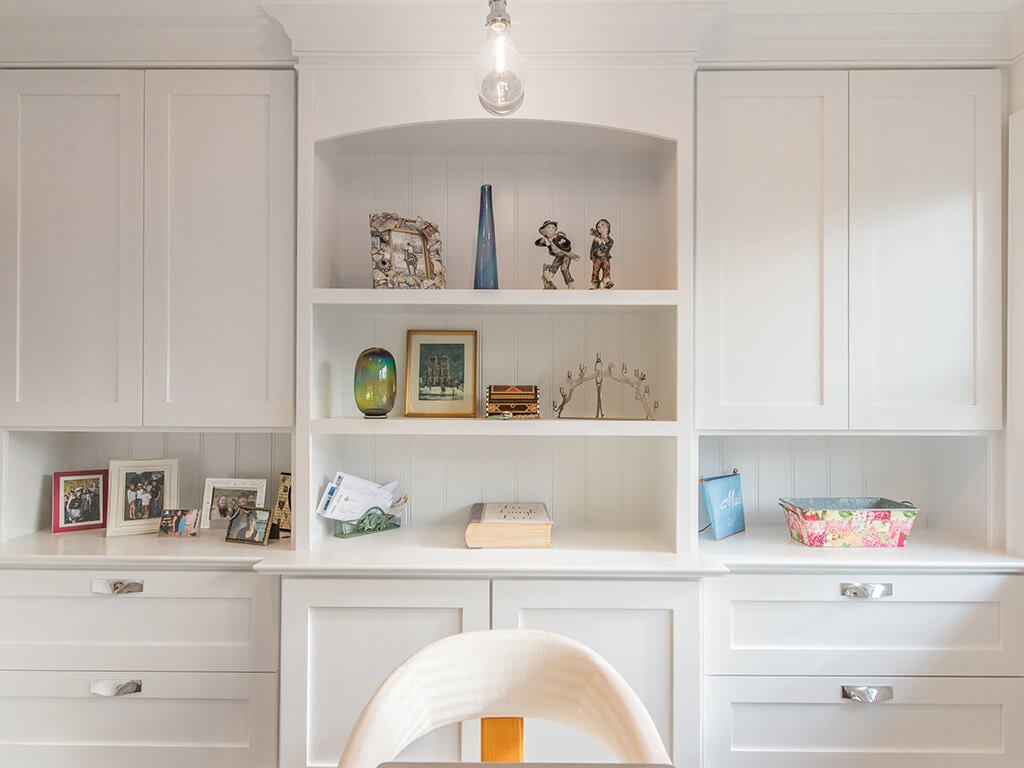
440, 374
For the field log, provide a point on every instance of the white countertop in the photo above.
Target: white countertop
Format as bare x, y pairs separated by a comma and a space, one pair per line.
442, 553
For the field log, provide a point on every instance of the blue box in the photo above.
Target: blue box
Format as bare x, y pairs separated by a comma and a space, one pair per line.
723, 500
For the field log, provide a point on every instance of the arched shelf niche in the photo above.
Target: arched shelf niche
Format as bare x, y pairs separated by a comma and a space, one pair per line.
572, 173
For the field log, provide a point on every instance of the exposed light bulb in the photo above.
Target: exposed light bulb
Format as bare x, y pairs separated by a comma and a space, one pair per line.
499, 68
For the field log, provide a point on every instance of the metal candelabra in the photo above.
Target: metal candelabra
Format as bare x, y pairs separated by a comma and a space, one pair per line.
637, 380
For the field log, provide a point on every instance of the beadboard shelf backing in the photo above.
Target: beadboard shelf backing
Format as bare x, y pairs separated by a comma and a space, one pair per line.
588, 483
947, 478
33, 457
573, 174
537, 347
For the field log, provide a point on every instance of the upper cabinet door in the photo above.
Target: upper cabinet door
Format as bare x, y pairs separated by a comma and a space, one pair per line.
70, 248
925, 250
220, 245
771, 297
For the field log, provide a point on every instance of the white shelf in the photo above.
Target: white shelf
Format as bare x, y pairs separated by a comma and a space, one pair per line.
494, 427
93, 549
442, 552
500, 298
769, 548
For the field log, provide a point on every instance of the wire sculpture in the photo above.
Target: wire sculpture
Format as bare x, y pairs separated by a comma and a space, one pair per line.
636, 380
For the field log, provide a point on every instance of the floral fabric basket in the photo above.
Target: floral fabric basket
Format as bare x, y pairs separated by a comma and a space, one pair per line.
849, 522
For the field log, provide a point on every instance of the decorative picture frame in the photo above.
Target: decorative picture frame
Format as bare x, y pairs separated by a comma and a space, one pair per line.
283, 508
440, 374
179, 523
250, 525
405, 253
80, 500
139, 492
222, 496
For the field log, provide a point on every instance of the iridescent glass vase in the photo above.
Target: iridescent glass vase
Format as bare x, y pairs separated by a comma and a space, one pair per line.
374, 383
486, 273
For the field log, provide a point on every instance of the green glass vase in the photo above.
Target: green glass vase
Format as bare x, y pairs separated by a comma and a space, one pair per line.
374, 383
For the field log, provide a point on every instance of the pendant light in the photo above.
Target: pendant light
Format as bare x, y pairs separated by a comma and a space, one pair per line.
499, 68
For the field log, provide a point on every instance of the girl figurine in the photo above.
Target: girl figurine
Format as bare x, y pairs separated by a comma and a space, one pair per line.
601, 255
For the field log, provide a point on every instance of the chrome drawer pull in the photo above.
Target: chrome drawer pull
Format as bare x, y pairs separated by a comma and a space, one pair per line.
865, 591
868, 694
116, 586
115, 687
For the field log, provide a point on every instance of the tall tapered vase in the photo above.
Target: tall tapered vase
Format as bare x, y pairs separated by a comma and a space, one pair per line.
486, 273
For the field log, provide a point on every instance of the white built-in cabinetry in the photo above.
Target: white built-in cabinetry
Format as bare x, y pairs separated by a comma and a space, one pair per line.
849, 246
189, 324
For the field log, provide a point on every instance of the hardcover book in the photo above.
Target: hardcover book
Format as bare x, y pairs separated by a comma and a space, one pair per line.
509, 526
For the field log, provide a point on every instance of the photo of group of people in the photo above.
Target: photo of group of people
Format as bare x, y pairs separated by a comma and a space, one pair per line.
179, 522
79, 500
225, 502
144, 495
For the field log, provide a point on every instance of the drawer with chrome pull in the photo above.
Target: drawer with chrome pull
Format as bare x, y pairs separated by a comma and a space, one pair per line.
155, 719
895, 722
129, 620
826, 624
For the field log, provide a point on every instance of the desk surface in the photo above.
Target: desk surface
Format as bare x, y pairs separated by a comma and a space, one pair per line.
531, 765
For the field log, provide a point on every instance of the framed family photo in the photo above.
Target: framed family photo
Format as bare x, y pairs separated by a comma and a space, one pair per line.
440, 374
250, 525
79, 500
139, 493
179, 523
223, 496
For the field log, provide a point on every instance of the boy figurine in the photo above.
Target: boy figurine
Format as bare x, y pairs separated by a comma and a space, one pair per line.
601, 255
560, 248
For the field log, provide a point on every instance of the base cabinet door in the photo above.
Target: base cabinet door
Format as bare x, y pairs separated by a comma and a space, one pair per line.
648, 631
341, 637
126, 720
915, 722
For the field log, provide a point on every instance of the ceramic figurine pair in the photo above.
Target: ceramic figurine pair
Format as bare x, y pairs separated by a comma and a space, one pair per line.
560, 249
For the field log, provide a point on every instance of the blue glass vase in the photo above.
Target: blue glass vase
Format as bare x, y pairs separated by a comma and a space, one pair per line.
374, 383
486, 273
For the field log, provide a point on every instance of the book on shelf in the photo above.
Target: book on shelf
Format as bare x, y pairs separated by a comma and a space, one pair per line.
510, 525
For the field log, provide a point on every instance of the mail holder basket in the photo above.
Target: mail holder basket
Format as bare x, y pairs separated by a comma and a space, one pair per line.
849, 522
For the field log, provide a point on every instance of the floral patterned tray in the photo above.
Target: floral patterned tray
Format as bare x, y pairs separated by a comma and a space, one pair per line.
849, 522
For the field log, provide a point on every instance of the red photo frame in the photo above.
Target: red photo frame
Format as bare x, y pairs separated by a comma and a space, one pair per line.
80, 500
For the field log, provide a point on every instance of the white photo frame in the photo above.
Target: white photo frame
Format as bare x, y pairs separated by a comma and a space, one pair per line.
139, 492
235, 492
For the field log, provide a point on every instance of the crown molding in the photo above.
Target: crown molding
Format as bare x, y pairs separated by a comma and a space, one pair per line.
143, 41
557, 27
851, 39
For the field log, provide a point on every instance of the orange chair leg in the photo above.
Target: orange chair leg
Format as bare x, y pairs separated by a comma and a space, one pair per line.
501, 739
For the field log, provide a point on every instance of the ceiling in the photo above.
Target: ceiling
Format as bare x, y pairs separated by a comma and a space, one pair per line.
252, 9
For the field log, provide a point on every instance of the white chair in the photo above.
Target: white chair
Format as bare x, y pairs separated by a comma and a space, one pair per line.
503, 673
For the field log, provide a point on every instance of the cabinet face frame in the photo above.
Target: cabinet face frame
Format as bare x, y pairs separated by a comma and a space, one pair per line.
28, 233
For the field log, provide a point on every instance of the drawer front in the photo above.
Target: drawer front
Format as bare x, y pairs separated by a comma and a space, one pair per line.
967, 625
799, 722
199, 720
126, 620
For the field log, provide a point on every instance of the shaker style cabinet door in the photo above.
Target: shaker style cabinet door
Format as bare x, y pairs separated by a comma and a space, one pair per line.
771, 296
71, 248
220, 245
341, 637
926, 250
648, 631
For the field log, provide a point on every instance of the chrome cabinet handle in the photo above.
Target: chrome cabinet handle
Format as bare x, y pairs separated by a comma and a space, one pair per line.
865, 591
868, 694
116, 586
115, 687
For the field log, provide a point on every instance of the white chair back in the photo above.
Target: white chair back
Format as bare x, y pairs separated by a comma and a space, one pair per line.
503, 673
